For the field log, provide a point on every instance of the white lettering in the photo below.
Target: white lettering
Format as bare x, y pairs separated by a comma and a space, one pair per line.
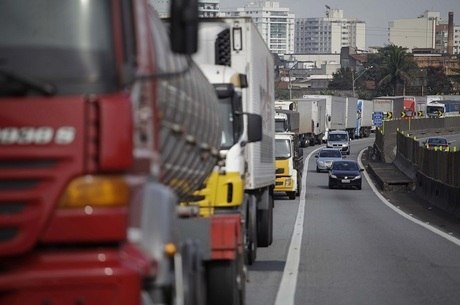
37, 135
65, 135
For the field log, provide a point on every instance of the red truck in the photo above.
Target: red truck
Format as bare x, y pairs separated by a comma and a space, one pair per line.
103, 131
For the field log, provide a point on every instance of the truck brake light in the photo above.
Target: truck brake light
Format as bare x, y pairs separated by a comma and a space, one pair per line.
96, 191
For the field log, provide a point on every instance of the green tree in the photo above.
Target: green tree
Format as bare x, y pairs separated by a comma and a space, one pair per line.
456, 76
341, 80
393, 69
437, 81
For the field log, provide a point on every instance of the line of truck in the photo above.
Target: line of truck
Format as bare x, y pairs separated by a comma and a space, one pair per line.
319, 114
132, 172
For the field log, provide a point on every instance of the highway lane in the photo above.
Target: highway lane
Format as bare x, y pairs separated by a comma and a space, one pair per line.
355, 250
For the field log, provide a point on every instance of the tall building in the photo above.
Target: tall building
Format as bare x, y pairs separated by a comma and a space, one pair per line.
415, 33
428, 31
275, 24
329, 34
207, 8
457, 39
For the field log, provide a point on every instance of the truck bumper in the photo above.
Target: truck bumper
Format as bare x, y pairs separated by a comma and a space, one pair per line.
102, 276
285, 184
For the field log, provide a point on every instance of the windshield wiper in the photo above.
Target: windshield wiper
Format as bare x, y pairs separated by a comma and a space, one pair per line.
25, 83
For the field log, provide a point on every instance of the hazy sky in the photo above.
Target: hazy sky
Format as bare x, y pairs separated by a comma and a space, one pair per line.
376, 13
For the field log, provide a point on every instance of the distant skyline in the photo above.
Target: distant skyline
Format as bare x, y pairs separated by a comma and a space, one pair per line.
376, 14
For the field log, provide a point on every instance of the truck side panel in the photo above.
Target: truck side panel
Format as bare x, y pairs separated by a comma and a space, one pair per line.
255, 60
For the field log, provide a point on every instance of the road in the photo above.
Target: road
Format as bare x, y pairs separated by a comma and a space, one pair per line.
352, 249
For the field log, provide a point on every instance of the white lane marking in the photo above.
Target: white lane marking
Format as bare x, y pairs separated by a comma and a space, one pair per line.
407, 216
286, 291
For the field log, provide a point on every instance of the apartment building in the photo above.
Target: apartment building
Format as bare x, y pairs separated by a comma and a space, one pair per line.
329, 34
275, 23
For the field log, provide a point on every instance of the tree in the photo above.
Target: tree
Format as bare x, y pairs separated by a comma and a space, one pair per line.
437, 81
393, 69
341, 80
456, 76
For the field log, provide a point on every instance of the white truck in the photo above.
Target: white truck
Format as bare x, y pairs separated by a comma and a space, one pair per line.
364, 123
312, 125
236, 43
328, 100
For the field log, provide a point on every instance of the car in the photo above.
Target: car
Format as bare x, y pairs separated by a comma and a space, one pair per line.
345, 173
433, 142
339, 139
325, 157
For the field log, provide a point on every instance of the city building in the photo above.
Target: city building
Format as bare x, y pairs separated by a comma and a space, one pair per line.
206, 8
329, 34
275, 24
419, 32
428, 31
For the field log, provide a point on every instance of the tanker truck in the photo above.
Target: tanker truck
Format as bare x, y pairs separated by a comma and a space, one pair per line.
103, 131
236, 44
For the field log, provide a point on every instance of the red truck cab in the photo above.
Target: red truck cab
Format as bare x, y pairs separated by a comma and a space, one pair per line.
78, 142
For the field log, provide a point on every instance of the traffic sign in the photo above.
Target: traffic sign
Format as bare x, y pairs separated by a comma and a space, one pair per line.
389, 115
420, 114
377, 118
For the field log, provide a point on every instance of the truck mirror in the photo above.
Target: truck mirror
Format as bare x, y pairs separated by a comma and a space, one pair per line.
254, 127
184, 26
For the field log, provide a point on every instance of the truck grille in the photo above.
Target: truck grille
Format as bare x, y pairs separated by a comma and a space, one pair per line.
223, 48
28, 190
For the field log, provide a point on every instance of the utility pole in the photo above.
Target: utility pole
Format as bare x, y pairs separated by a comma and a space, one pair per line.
290, 85
354, 79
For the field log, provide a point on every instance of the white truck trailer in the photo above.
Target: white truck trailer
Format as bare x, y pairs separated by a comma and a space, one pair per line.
312, 125
328, 99
236, 43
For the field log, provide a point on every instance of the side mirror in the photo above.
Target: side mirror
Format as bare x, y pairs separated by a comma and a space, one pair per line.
184, 26
254, 127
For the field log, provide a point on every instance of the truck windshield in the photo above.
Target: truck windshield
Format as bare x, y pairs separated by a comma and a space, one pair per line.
282, 149
337, 137
65, 43
434, 109
227, 123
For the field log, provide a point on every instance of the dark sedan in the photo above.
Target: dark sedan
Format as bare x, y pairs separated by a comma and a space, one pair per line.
439, 143
346, 173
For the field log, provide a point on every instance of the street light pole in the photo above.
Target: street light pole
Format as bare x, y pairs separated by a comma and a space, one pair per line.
354, 79
290, 85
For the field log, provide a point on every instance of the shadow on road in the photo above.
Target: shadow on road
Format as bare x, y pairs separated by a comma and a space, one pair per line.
267, 266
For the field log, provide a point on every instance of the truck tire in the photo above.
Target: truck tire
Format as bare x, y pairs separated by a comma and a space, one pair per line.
265, 221
251, 230
225, 283
193, 274
366, 132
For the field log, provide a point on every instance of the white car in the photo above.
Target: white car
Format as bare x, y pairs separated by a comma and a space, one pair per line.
325, 157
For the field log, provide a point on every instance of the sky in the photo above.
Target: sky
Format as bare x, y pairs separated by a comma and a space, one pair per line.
375, 13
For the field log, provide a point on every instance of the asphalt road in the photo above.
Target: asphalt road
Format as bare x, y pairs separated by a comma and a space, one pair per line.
353, 249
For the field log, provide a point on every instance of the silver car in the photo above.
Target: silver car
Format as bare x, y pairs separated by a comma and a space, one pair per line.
325, 157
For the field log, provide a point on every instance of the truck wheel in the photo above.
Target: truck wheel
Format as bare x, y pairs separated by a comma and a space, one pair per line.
251, 230
193, 274
225, 285
265, 222
291, 195
366, 132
